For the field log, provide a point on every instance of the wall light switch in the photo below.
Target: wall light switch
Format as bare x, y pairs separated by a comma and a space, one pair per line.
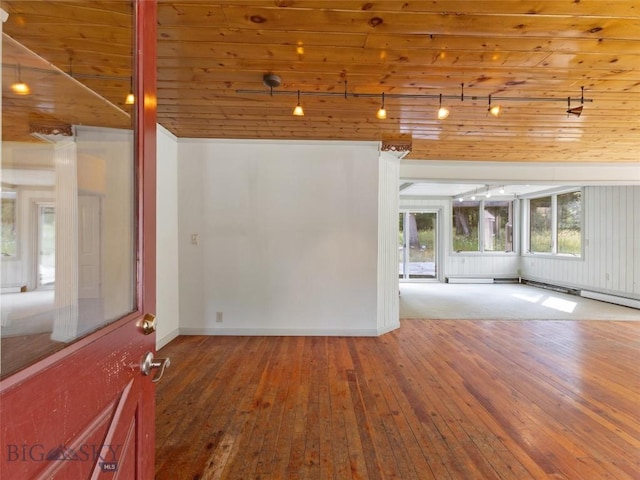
195, 239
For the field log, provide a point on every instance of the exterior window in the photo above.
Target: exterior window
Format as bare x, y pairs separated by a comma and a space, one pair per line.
483, 226
498, 226
9, 237
555, 224
570, 223
540, 222
465, 226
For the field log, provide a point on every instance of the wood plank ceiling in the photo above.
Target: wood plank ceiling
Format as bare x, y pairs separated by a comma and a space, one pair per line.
208, 50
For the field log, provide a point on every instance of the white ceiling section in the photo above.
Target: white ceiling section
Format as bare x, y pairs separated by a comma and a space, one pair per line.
451, 179
426, 189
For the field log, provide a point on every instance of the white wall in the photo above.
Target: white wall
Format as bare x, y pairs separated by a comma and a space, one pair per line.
167, 235
287, 237
611, 262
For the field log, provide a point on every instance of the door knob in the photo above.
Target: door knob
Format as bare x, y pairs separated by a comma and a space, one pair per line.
149, 324
148, 363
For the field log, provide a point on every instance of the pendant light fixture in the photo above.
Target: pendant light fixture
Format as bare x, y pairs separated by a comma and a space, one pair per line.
494, 110
298, 111
382, 112
443, 112
19, 87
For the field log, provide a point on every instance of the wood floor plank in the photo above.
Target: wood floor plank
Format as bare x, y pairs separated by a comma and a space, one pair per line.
442, 399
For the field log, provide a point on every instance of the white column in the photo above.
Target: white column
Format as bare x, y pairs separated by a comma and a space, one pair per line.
388, 209
65, 325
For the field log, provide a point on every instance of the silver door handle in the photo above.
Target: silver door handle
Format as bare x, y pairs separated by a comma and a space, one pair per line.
148, 363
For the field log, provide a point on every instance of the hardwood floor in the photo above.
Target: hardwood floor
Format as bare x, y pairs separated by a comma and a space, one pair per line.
436, 399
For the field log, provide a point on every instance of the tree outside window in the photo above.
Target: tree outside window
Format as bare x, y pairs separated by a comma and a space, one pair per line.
465, 226
483, 226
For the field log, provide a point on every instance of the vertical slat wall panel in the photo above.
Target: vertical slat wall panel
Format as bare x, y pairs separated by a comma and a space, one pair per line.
611, 259
627, 273
609, 214
635, 239
388, 303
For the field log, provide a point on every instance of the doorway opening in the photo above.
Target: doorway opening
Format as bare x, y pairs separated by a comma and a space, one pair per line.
418, 245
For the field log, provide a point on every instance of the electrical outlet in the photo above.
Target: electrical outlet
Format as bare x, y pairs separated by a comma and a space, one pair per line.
195, 239
218, 317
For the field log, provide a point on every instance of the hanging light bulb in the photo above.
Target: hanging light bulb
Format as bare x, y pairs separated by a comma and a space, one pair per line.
19, 87
382, 112
298, 111
495, 110
131, 98
443, 112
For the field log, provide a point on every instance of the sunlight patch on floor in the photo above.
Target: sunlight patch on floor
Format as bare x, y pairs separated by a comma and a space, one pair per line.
560, 304
555, 303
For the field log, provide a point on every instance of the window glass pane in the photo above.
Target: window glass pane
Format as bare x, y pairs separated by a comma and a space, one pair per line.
465, 226
8, 223
540, 219
68, 236
422, 245
498, 226
570, 223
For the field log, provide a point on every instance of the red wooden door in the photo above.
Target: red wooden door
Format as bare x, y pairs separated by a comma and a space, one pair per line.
87, 411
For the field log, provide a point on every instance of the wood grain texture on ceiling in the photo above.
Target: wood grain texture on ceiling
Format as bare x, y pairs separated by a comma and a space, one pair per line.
209, 50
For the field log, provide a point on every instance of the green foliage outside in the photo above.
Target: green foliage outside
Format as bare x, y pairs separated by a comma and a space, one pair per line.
466, 243
570, 241
426, 251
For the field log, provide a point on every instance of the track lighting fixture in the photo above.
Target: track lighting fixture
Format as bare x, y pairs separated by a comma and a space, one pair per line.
298, 111
19, 87
272, 81
576, 111
443, 112
382, 112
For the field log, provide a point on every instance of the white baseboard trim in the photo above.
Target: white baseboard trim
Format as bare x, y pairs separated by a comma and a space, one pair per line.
604, 297
284, 332
469, 280
161, 342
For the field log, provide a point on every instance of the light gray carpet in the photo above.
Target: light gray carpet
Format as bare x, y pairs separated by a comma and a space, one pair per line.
503, 302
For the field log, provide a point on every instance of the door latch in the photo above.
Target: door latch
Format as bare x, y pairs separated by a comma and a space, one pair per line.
148, 363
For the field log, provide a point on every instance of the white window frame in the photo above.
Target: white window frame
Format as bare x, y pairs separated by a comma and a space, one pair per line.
526, 224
